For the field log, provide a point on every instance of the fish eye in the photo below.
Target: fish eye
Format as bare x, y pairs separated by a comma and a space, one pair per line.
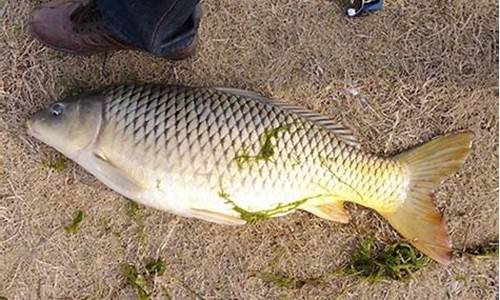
57, 109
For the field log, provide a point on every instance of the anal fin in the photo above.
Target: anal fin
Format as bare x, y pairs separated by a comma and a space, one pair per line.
331, 211
216, 217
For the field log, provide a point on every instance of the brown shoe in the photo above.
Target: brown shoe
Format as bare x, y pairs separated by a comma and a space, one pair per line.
76, 27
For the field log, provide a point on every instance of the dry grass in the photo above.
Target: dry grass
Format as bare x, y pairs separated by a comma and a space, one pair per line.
417, 69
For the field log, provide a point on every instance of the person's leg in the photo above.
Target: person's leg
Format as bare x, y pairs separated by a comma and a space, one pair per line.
156, 25
163, 27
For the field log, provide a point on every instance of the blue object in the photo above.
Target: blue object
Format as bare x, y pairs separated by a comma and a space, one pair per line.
158, 26
358, 7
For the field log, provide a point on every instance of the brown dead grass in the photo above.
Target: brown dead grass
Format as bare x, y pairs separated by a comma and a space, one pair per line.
421, 68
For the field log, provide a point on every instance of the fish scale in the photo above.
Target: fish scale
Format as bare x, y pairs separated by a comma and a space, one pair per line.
223, 137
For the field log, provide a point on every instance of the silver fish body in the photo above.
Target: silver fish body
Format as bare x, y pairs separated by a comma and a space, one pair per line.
235, 157
201, 149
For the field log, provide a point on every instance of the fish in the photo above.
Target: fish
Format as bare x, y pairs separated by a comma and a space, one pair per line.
235, 157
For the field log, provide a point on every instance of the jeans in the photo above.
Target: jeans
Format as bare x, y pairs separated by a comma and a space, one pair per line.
158, 26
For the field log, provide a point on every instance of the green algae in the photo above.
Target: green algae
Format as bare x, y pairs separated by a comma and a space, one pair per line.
484, 251
58, 163
398, 261
252, 217
156, 267
134, 211
488, 250
266, 152
272, 275
136, 280
141, 281
74, 225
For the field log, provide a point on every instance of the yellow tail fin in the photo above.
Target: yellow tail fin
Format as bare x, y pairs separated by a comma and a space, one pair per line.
418, 220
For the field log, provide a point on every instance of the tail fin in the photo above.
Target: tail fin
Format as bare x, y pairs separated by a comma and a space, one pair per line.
418, 220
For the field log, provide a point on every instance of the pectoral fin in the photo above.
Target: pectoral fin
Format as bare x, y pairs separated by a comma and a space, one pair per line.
332, 211
114, 177
216, 217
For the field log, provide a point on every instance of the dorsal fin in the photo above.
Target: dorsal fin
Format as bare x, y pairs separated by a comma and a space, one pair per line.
342, 132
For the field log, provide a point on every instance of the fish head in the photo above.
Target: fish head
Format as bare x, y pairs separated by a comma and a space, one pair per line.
69, 125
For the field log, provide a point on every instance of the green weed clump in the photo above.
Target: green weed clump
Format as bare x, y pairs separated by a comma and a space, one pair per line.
273, 275
74, 225
397, 262
485, 251
141, 281
136, 280
59, 163
133, 209
134, 212
156, 267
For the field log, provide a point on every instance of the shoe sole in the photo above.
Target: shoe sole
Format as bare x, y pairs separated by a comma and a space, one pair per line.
190, 52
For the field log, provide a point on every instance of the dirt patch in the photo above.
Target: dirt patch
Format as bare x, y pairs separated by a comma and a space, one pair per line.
398, 77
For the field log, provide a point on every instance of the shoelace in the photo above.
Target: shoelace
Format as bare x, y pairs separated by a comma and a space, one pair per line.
89, 23
88, 19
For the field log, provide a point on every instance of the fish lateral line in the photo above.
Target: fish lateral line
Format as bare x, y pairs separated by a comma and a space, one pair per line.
324, 164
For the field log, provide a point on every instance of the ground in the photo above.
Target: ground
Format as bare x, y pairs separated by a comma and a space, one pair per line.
398, 77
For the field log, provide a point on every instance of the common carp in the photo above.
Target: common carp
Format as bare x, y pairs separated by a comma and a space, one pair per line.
234, 157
